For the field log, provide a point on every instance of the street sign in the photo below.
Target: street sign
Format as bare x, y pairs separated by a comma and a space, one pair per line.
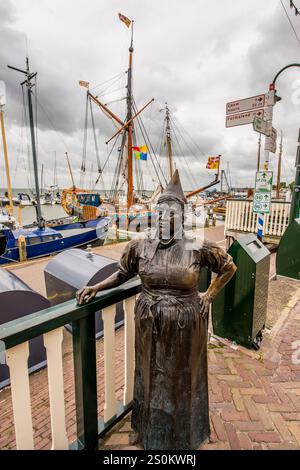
270, 145
263, 192
260, 125
273, 134
247, 104
263, 181
241, 119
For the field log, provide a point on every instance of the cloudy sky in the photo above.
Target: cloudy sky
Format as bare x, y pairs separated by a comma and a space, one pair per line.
196, 55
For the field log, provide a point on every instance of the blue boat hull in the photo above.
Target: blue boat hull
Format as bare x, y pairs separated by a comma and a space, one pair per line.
90, 235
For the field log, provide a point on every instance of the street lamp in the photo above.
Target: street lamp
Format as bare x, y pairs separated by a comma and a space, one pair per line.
272, 99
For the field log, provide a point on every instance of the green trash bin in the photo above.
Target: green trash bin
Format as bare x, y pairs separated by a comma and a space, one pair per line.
288, 253
239, 312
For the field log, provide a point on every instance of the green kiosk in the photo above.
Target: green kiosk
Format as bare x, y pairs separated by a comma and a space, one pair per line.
239, 312
288, 254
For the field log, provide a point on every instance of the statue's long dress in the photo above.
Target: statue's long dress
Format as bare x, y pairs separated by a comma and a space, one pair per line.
170, 406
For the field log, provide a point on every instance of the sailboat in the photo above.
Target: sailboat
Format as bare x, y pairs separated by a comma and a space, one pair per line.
41, 239
130, 136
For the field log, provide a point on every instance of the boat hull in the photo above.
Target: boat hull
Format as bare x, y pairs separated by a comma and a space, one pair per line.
71, 238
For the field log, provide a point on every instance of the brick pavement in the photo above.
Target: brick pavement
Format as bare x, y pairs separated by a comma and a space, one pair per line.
254, 396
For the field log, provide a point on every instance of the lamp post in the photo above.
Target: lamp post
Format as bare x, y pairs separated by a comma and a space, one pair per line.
272, 99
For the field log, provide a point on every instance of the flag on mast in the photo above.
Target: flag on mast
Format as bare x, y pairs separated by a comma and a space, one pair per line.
141, 153
213, 163
125, 20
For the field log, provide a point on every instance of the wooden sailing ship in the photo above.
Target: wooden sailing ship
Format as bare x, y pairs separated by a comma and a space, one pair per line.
133, 204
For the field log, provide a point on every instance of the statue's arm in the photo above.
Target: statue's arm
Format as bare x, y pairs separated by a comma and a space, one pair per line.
128, 268
218, 261
88, 293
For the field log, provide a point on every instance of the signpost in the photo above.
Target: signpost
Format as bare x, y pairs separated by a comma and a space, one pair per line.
241, 119
263, 192
247, 104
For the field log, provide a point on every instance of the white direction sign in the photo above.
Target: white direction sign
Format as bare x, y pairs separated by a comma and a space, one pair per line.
263, 192
247, 104
263, 181
273, 134
270, 145
241, 119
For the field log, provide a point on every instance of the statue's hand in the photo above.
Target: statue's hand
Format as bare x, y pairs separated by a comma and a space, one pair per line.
86, 294
205, 301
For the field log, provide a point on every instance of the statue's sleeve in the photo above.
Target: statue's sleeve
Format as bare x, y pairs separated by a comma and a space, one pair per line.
214, 258
128, 264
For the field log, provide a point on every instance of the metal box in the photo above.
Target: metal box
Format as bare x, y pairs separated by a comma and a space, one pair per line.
288, 254
239, 312
72, 269
18, 300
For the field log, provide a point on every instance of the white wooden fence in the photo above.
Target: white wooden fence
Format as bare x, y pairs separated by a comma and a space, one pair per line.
240, 218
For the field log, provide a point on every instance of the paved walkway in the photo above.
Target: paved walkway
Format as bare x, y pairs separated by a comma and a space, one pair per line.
254, 397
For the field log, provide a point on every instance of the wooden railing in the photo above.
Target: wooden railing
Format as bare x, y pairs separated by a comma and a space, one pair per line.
240, 218
14, 337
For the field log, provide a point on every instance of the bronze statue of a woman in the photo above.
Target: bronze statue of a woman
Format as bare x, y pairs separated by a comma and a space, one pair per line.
170, 405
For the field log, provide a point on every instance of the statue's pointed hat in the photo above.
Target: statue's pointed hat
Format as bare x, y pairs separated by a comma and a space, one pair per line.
173, 191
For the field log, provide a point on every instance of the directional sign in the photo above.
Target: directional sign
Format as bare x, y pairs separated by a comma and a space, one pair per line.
263, 181
241, 119
247, 104
261, 126
270, 145
273, 134
263, 192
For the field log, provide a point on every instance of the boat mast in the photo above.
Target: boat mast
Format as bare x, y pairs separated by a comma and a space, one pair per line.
279, 169
169, 142
2, 104
258, 152
71, 173
42, 176
29, 85
55, 171
130, 126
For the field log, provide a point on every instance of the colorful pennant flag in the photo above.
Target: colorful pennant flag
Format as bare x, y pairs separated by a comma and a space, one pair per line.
125, 20
213, 163
141, 153
83, 83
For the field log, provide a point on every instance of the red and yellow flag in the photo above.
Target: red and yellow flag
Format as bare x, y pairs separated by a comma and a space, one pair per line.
213, 163
125, 20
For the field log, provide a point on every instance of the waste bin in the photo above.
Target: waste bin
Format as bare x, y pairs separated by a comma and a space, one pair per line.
18, 300
240, 310
204, 280
288, 254
72, 269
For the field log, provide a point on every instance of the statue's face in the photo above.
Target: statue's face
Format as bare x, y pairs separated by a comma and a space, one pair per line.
169, 219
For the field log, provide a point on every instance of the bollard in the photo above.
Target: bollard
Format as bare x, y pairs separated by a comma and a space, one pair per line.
22, 248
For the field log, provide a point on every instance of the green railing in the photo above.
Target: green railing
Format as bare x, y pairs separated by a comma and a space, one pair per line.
16, 333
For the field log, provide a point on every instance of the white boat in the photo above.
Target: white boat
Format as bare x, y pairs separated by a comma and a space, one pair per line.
7, 220
22, 199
